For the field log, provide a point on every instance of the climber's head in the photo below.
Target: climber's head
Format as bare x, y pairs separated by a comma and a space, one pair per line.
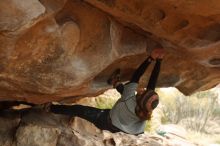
146, 103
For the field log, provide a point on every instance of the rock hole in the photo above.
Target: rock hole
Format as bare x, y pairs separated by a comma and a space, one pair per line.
109, 142
210, 33
62, 20
183, 23
215, 61
153, 16
160, 14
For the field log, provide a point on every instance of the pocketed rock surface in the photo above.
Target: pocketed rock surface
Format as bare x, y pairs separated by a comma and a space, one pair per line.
54, 50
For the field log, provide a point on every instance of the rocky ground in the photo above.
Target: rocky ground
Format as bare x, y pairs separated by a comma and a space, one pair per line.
38, 128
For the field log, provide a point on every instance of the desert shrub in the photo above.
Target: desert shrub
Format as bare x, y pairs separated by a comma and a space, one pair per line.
193, 112
148, 126
105, 103
107, 100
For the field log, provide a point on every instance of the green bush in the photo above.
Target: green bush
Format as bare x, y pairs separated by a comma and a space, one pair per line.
193, 112
107, 100
105, 103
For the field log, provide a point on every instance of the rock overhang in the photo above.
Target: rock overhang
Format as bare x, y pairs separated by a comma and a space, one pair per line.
56, 50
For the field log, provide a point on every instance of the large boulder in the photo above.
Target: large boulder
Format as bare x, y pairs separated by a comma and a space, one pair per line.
63, 49
37, 128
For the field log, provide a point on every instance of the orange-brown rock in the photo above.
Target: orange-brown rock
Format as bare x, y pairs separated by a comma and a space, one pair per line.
60, 49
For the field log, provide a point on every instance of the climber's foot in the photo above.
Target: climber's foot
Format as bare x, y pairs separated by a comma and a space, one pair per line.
114, 78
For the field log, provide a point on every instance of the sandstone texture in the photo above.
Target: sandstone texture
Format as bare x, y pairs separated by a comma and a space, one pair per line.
54, 50
37, 128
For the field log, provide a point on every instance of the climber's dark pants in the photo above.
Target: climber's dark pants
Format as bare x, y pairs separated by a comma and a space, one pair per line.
99, 117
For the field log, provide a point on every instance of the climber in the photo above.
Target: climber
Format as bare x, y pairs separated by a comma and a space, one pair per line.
131, 111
